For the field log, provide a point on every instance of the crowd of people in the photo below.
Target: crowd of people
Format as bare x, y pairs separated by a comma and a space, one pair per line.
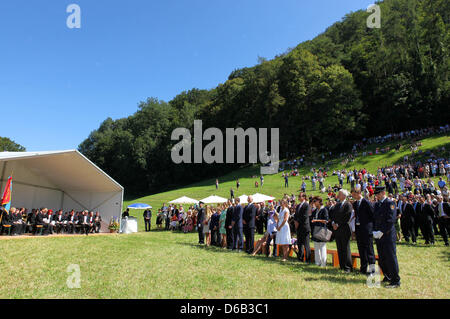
393, 204
43, 221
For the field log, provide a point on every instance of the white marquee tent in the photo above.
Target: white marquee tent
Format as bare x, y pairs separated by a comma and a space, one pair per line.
60, 180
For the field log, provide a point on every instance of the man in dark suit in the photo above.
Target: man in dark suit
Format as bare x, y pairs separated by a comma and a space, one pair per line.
342, 233
407, 220
98, 222
303, 228
200, 220
237, 226
385, 217
147, 219
363, 230
428, 216
39, 221
71, 222
248, 220
59, 222
259, 219
228, 226
443, 213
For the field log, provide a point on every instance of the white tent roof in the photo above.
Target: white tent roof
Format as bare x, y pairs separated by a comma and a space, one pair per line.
60, 180
213, 199
184, 200
259, 198
243, 199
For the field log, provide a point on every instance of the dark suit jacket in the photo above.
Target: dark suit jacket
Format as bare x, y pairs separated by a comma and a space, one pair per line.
201, 216
147, 214
238, 212
409, 214
229, 217
302, 217
249, 215
364, 215
341, 217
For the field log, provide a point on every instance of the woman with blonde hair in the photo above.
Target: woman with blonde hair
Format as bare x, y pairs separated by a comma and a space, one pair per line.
206, 230
283, 232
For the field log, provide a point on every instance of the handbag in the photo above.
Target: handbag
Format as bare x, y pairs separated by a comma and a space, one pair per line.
321, 233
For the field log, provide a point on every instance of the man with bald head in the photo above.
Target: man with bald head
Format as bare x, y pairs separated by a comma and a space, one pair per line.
248, 220
342, 233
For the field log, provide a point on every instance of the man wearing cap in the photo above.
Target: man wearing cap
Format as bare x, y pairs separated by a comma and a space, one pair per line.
385, 216
200, 220
363, 230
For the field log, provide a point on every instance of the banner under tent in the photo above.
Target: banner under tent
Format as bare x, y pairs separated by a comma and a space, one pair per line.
61, 180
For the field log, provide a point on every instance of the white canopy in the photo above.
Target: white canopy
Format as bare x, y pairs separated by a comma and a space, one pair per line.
60, 180
213, 199
184, 200
243, 199
259, 198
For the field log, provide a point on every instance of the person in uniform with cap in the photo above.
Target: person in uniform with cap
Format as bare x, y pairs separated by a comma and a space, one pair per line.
363, 230
200, 220
385, 216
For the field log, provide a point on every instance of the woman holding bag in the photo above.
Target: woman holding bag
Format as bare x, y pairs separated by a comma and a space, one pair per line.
319, 223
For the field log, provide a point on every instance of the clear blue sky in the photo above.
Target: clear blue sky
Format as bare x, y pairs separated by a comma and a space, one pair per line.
58, 84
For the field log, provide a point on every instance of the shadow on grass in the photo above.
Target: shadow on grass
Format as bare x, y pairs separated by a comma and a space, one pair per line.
327, 274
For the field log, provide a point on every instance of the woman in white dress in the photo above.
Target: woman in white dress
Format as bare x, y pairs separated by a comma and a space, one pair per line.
283, 232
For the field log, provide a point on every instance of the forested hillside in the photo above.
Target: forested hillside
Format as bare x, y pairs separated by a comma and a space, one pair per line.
347, 83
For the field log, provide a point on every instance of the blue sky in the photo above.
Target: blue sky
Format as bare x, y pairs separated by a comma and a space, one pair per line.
58, 84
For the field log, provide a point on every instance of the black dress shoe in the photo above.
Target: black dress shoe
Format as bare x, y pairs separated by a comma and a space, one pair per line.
393, 285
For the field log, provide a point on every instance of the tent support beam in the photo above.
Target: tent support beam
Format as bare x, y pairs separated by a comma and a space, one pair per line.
33, 185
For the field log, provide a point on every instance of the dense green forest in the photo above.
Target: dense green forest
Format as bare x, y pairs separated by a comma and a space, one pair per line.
349, 82
6, 145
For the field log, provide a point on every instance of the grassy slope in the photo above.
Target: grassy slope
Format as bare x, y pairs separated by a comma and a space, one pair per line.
169, 265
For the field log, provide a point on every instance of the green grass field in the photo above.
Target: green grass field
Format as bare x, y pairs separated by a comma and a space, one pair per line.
161, 264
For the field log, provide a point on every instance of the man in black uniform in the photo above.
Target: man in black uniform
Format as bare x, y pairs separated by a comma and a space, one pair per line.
303, 229
200, 220
342, 233
147, 219
248, 219
385, 217
228, 227
363, 230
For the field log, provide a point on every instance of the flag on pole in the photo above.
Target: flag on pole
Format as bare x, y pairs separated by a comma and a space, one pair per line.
6, 199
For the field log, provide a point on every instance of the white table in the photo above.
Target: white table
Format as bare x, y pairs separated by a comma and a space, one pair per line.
129, 225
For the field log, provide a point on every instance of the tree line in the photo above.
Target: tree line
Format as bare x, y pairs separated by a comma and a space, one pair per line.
347, 83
